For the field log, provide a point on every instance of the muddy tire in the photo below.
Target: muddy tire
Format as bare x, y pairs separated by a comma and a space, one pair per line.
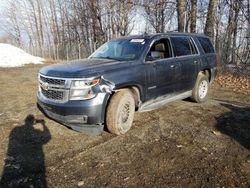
200, 90
120, 112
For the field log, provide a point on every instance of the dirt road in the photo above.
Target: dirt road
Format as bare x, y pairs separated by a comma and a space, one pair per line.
183, 144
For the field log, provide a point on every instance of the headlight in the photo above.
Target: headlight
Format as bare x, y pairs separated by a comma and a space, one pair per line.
84, 83
82, 89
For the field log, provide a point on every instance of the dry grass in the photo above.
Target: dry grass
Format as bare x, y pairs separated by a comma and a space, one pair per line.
236, 82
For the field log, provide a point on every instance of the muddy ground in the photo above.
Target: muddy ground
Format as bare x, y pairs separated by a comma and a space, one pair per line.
183, 144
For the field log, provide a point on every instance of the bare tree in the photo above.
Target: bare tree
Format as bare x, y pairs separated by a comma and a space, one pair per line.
193, 16
15, 22
181, 11
209, 28
69, 29
248, 31
159, 13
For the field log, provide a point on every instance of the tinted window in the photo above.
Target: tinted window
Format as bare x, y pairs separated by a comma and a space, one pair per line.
181, 46
206, 44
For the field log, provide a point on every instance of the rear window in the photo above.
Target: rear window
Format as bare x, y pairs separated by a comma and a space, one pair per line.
206, 44
183, 46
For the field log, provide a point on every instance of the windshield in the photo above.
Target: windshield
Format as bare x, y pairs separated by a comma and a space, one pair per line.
122, 50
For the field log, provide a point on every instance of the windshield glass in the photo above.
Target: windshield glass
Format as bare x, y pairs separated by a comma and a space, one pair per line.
126, 49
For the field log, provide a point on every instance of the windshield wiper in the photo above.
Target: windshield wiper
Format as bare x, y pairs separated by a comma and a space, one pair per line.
108, 57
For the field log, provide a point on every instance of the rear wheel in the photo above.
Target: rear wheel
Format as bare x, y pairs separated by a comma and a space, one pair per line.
120, 112
200, 90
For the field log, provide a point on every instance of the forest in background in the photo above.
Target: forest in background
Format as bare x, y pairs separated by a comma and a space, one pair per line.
70, 29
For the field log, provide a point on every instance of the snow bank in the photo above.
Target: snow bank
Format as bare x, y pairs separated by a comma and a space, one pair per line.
11, 56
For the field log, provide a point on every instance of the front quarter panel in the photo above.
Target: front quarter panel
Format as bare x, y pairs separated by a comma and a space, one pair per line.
132, 75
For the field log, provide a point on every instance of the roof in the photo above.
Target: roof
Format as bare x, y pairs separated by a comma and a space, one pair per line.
149, 36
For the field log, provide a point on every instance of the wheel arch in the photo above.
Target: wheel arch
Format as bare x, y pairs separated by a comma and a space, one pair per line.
136, 92
207, 72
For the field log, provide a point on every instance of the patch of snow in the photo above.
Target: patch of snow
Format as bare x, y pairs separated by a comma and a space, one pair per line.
11, 56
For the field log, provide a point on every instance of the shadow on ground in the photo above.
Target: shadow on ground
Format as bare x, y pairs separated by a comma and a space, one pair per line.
24, 163
236, 123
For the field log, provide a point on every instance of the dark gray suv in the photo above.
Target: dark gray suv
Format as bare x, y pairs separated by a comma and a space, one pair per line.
124, 75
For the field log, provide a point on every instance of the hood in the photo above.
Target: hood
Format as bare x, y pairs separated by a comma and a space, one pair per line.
82, 68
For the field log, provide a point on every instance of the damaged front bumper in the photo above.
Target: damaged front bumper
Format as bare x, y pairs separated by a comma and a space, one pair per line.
83, 115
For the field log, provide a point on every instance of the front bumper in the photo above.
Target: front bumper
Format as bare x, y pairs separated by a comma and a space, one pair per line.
82, 115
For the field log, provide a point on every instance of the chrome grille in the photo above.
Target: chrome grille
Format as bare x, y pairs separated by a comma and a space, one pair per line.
53, 94
52, 81
54, 89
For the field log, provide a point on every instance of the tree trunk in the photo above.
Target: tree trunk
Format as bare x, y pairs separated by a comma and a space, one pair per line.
248, 33
193, 16
235, 29
218, 26
227, 55
209, 27
181, 8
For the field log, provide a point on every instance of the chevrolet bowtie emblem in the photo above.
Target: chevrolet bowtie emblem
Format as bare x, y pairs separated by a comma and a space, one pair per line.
45, 86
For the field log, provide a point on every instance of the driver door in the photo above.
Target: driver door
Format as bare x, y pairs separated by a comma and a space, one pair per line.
161, 69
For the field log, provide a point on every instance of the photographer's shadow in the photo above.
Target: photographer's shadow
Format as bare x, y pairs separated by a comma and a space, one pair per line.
24, 163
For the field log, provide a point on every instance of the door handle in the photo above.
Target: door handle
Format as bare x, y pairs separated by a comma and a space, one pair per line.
172, 66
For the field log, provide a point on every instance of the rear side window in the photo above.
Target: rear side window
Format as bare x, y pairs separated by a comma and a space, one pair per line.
182, 46
193, 47
206, 44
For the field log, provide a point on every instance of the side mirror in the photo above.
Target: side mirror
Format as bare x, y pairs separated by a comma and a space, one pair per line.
154, 55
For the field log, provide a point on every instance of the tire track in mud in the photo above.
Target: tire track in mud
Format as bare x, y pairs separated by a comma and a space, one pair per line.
143, 136
90, 155
69, 157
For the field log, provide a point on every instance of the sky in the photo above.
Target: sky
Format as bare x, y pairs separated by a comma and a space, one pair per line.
2, 20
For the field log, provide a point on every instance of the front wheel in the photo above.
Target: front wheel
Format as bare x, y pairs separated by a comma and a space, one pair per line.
120, 112
200, 90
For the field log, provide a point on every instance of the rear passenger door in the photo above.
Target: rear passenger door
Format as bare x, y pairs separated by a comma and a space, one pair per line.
186, 53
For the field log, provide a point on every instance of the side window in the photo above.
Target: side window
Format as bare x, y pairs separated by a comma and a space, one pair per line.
193, 47
181, 46
160, 50
206, 44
